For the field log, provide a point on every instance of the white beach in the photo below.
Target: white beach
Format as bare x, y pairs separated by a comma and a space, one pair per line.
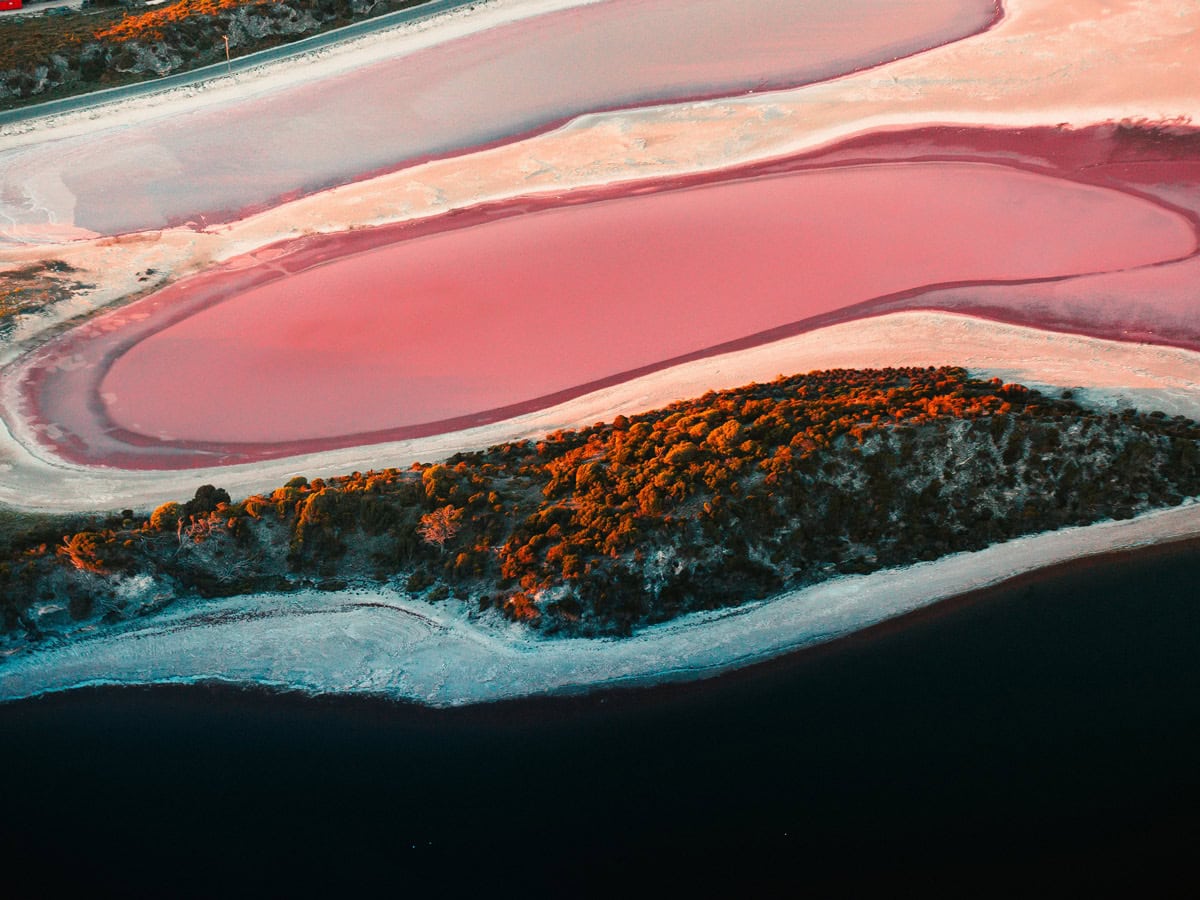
379, 642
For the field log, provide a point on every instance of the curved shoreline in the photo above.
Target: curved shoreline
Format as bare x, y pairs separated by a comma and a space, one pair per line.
961, 84
1074, 158
1048, 725
446, 102
384, 645
1104, 373
230, 215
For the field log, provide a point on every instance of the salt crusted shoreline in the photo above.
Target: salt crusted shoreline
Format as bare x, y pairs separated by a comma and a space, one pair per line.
378, 643
1103, 373
1122, 60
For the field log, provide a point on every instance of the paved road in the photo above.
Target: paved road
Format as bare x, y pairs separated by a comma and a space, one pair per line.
169, 82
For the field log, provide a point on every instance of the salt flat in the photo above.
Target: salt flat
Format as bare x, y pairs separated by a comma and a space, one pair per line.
1046, 63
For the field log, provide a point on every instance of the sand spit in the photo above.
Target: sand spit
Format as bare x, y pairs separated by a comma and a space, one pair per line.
221, 160
1105, 373
1046, 62
381, 642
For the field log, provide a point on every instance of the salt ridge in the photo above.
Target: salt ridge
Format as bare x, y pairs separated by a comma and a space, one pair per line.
1110, 373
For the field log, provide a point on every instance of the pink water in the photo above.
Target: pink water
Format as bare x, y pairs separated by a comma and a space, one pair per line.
467, 320
1158, 304
510, 80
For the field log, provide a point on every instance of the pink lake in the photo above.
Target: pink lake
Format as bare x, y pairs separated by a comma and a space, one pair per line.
1153, 304
454, 324
515, 79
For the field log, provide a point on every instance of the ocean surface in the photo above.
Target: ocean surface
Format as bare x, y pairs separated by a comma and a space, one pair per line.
1047, 728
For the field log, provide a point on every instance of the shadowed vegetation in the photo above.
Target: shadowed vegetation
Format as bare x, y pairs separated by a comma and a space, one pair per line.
712, 502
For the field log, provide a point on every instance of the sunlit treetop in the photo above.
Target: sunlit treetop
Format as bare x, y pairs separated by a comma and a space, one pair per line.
150, 24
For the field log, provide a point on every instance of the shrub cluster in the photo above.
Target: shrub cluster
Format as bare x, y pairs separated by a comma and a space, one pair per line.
709, 502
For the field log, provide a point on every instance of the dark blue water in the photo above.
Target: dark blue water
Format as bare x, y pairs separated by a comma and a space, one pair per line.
1052, 723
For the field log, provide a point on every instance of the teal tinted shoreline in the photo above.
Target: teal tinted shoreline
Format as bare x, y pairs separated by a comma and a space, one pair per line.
1054, 718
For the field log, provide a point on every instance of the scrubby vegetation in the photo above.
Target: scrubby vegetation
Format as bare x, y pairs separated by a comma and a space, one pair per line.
31, 288
710, 502
114, 42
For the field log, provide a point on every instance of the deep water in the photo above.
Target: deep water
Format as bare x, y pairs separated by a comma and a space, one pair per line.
1048, 728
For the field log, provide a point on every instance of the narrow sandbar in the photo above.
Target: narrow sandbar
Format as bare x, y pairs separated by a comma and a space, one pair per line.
1107, 374
474, 89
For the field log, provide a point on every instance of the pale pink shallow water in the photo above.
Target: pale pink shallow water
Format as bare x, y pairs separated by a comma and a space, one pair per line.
467, 92
1159, 304
467, 320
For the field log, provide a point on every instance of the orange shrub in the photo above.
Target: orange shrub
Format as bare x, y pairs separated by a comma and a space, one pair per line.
150, 24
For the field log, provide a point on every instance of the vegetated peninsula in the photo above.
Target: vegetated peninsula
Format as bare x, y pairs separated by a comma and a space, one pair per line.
712, 502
